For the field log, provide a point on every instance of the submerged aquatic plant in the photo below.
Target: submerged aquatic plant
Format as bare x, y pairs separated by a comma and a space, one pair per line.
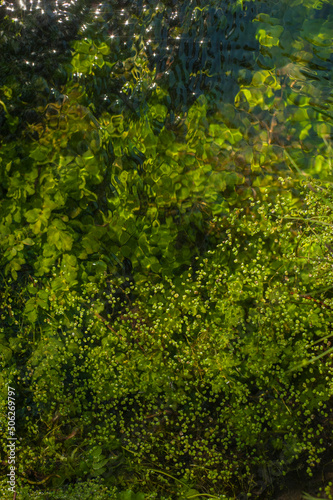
166, 283
204, 377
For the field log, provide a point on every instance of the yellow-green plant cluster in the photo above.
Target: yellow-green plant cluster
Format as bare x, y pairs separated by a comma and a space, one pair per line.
206, 378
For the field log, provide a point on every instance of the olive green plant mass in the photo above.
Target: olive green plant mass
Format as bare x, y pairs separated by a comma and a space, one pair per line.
166, 249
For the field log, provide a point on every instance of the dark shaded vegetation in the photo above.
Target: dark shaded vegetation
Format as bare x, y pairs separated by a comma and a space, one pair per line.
166, 247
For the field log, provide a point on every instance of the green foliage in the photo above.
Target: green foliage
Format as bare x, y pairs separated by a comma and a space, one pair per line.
83, 491
201, 377
328, 493
166, 283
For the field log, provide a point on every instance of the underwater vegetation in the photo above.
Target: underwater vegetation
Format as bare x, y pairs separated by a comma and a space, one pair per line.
166, 247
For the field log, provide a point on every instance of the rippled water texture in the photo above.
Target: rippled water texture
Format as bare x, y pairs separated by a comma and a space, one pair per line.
265, 66
131, 134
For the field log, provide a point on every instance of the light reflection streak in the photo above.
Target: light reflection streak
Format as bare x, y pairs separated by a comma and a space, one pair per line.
22, 5
58, 8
